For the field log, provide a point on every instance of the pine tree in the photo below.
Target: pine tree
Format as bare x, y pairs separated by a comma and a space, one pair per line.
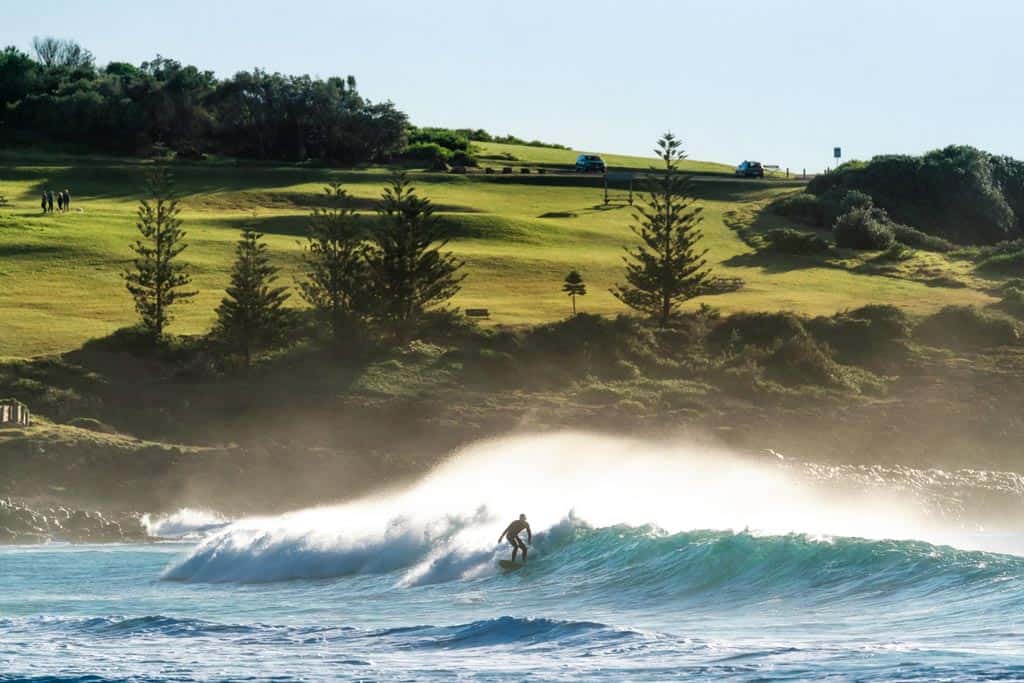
409, 270
574, 287
252, 314
667, 268
157, 280
334, 264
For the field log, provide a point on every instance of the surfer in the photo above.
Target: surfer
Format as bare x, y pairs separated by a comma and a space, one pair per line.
512, 532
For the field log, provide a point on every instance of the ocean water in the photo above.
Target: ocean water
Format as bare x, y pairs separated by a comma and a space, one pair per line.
649, 562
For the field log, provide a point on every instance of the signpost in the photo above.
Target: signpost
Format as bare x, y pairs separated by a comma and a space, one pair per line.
620, 176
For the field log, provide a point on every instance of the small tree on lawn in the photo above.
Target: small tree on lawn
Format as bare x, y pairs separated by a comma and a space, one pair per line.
574, 287
157, 280
252, 314
667, 268
333, 261
409, 269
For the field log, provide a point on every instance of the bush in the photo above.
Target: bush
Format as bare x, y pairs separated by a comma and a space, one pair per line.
442, 137
800, 360
868, 336
912, 237
896, 252
887, 321
855, 199
1012, 302
430, 152
789, 241
461, 158
803, 207
961, 193
763, 330
1011, 263
967, 327
864, 229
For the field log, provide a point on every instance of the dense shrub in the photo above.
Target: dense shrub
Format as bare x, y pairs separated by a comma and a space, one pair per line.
1008, 263
868, 336
960, 193
799, 361
442, 137
855, 199
912, 237
863, 229
967, 327
789, 241
1012, 302
756, 329
803, 207
887, 321
430, 152
461, 158
896, 252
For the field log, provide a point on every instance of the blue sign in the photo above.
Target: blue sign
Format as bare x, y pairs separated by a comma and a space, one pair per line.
837, 152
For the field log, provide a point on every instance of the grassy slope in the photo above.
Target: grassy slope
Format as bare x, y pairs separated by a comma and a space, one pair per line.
518, 235
550, 156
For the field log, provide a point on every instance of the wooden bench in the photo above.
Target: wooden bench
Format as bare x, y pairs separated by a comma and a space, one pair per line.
477, 313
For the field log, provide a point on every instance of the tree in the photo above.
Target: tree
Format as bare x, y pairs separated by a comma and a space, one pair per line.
574, 287
667, 268
408, 268
54, 53
252, 314
157, 280
335, 269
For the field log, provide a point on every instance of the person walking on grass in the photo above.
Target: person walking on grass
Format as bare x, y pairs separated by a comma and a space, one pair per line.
49, 201
67, 199
60, 202
42, 202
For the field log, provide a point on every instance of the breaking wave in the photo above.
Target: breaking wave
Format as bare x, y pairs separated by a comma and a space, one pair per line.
659, 498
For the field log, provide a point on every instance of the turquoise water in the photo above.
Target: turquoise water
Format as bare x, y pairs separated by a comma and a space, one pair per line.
611, 604
404, 585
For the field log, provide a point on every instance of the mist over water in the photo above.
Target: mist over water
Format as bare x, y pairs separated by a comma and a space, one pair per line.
445, 527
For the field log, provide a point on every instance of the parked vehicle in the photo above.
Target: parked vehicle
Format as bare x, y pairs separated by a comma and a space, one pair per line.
750, 169
590, 163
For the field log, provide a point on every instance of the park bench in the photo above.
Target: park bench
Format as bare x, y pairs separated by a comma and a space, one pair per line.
477, 313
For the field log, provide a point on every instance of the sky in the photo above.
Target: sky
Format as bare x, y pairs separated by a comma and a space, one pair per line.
778, 82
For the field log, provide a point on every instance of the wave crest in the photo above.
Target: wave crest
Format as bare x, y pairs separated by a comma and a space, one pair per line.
446, 526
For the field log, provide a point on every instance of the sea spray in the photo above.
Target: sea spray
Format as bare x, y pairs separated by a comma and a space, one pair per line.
445, 527
186, 523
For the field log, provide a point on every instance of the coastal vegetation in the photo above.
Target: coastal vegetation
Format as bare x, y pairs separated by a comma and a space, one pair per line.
299, 296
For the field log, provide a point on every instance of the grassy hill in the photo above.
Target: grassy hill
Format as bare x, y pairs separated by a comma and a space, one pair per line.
518, 234
491, 152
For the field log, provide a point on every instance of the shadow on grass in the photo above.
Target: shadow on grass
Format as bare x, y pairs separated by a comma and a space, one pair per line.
126, 180
15, 250
453, 226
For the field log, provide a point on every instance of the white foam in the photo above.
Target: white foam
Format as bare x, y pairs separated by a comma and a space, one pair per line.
186, 523
445, 527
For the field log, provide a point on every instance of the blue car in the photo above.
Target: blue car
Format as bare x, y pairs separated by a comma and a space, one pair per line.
750, 169
590, 163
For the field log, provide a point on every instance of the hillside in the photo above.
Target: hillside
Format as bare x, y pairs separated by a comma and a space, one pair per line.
518, 234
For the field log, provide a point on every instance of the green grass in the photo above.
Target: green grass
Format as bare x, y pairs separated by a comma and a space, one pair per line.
553, 157
519, 235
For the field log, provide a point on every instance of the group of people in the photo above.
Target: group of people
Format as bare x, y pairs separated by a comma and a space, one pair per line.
63, 200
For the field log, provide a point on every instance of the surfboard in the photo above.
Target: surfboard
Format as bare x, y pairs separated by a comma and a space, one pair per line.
509, 565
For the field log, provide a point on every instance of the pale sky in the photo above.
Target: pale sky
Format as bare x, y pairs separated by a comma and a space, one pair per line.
779, 82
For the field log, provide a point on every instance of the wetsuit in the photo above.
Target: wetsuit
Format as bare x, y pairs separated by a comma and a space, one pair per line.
512, 534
